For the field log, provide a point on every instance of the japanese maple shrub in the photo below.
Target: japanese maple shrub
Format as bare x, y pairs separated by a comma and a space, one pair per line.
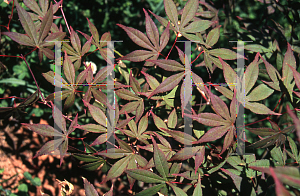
153, 153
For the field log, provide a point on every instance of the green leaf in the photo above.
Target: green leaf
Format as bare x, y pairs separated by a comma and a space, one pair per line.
36, 181
143, 124
160, 161
251, 74
223, 53
69, 70
23, 188
145, 176
151, 191
138, 55
178, 191
160, 124
171, 12
257, 48
152, 81
172, 119
180, 136
189, 12
86, 157
134, 83
94, 32
294, 149
117, 169
124, 145
197, 26
198, 190
229, 74
213, 36
259, 108
278, 157
27, 175
260, 92
93, 128
93, 165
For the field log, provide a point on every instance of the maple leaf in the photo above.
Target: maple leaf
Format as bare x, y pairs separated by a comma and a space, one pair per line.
71, 84
35, 38
275, 135
152, 42
222, 121
15, 110
261, 92
100, 44
76, 52
288, 67
60, 141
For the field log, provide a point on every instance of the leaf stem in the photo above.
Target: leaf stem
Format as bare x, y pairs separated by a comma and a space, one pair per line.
173, 45
118, 53
197, 57
44, 100
62, 12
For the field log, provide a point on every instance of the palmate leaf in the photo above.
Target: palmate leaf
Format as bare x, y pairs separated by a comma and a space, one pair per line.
289, 62
100, 44
33, 37
76, 53
19, 109
223, 122
41, 12
261, 92
70, 84
185, 27
275, 136
144, 41
60, 141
